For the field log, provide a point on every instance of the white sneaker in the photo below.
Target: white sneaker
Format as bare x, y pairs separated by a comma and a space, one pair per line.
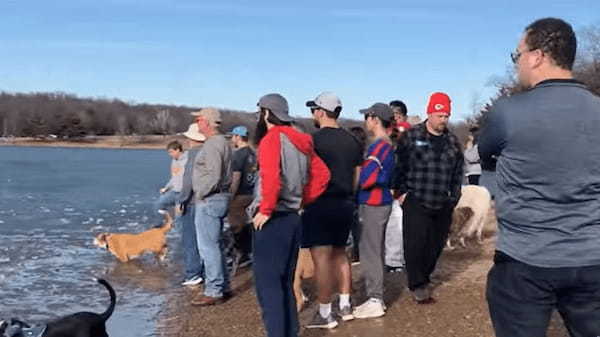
192, 281
372, 308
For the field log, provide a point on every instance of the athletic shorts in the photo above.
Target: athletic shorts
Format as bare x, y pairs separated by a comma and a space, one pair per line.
327, 222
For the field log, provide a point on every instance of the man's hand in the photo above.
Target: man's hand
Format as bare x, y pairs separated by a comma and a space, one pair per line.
401, 199
162, 190
259, 220
179, 209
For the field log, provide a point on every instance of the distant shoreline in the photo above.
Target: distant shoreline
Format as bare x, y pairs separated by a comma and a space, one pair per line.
152, 142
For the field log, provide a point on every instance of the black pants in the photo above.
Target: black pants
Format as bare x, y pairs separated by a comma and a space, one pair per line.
473, 179
424, 232
243, 240
521, 298
274, 261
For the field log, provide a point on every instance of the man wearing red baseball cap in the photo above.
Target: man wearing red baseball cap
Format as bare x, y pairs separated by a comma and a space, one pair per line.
428, 177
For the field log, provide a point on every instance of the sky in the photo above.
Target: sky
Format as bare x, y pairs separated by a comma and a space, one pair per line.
229, 53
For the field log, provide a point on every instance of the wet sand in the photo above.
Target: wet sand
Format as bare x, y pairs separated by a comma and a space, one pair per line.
461, 309
106, 142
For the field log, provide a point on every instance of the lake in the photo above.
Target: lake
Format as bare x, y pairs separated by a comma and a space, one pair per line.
52, 203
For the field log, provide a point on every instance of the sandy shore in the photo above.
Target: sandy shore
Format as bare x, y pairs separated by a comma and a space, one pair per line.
108, 142
461, 309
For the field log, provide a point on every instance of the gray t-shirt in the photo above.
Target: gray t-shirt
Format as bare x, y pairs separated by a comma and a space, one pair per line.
548, 174
177, 169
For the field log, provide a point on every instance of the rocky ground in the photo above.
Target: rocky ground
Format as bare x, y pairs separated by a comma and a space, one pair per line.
461, 309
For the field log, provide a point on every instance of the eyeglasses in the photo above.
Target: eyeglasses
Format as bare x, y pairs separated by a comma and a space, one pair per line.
369, 115
516, 55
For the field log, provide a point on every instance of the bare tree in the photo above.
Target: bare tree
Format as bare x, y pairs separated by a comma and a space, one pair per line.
163, 123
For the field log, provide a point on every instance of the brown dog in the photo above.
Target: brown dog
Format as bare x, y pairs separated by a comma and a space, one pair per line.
126, 246
305, 268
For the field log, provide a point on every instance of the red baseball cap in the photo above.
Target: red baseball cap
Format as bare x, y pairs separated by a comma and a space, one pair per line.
439, 102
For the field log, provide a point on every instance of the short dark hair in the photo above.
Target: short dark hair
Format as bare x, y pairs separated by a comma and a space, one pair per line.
554, 37
361, 136
333, 114
385, 124
175, 145
400, 105
274, 120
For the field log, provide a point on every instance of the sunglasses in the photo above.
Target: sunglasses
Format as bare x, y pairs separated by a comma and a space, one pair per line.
369, 115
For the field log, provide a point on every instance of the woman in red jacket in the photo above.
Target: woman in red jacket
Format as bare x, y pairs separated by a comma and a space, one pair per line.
290, 176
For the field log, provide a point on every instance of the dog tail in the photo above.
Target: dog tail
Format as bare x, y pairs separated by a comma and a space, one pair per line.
113, 299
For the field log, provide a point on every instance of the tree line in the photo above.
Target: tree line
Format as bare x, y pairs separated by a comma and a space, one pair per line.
67, 116
586, 69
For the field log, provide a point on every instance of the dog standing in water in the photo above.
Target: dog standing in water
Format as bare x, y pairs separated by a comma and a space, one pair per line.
126, 246
81, 324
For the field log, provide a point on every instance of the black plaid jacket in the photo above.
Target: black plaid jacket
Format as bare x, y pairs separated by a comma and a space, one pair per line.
433, 178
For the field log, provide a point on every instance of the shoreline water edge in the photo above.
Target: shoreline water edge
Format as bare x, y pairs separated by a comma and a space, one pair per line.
150, 142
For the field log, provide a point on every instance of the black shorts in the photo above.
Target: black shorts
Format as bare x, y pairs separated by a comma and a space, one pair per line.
327, 222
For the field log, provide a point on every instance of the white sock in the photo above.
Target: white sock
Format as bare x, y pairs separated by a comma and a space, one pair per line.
325, 309
344, 300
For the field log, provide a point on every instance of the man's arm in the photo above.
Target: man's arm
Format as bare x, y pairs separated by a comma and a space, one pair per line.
402, 166
318, 179
374, 172
207, 170
492, 138
457, 176
238, 161
235, 182
186, 189
269, 161
356, 180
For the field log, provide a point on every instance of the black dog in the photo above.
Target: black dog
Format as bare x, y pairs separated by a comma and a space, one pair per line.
81, 324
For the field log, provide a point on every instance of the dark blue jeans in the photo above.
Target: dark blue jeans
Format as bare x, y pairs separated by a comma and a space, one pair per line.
521, 298
275, 253
191, 258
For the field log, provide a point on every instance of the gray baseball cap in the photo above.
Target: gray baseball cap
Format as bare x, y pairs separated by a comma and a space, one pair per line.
381, 110
277, 104
326, 100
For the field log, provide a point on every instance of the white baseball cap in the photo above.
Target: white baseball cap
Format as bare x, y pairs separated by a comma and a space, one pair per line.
326, 100
194, 134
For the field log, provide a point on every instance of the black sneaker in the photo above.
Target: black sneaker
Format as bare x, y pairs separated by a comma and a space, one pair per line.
318, 322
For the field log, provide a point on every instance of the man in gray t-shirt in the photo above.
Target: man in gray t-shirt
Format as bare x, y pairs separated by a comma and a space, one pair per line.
548, 198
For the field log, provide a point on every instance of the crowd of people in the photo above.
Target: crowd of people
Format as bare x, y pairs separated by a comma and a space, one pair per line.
315, 191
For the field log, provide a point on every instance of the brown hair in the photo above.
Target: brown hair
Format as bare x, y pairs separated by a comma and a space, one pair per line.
175, 145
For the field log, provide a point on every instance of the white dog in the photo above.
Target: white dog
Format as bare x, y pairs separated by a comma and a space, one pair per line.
479, 201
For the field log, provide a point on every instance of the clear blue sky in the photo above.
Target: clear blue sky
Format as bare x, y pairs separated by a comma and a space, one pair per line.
229, 53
